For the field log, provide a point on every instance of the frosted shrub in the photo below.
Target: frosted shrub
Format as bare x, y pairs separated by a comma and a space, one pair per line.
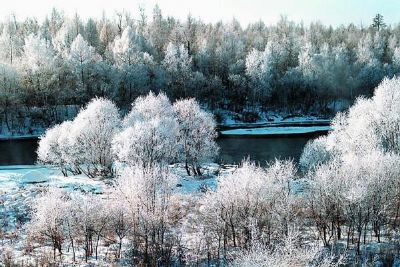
197, 134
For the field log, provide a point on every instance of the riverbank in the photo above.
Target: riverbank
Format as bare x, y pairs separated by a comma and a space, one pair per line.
19, 137
268, 124
275, 125
276, 131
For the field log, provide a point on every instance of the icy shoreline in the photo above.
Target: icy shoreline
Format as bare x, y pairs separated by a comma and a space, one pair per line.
19, 137
276, 131
274, 125
303, 125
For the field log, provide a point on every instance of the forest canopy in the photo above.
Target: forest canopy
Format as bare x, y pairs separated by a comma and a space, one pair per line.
69, 60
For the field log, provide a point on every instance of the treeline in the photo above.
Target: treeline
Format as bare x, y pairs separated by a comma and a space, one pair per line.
68, 60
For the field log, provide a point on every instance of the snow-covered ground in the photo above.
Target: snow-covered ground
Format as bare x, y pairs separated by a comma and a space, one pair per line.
27, 176
274, 130
21, 177
21, 184
189, 184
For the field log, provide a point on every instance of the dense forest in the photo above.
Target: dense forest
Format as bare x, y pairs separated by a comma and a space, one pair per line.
69, 60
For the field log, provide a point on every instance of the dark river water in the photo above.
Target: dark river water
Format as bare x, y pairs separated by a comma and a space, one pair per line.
232, 150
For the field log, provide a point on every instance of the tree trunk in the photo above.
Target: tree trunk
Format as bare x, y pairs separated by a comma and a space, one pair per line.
187, 168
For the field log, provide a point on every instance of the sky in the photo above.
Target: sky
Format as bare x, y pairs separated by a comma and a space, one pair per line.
329, 12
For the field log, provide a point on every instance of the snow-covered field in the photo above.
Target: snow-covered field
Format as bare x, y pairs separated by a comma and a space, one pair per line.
19, 178
21, 184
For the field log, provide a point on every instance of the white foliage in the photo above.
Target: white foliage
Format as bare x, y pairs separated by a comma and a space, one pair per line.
81, 54
125, 50
316, 152
369, 125
49, 151
150, 133
146, 193
9, 78
147, 143
177, 59
38, 53
148, 107
84, 142
251, 198
197, 132
92, 132
48, 215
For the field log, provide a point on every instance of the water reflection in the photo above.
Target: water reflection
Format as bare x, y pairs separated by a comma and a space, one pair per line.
18, 152
261, 150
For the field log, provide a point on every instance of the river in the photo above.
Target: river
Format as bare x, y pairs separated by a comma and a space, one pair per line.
232, 149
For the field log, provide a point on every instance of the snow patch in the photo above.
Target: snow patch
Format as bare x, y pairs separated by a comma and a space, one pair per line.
34, 177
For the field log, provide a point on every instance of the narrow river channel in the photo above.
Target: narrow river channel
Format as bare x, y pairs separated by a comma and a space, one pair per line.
232, 149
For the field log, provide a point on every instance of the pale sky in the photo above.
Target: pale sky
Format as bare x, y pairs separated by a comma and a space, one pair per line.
329, 12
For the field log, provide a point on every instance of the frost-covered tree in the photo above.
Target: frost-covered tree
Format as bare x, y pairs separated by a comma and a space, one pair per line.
62, 37
147, 143
39, 67
49, 150
147, 193
125, 49
133, 63
89, 219
9, 79
246, 207
396, 59
369, 125
85, 143
149, 107
150, 133
38, 53
352, 167
371, 68
350, 197
178, 64
197, 134
81, 57
47, 223
91, 134
11, 41
121, 221
9, 94
315, 152
266, 68
258, 74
